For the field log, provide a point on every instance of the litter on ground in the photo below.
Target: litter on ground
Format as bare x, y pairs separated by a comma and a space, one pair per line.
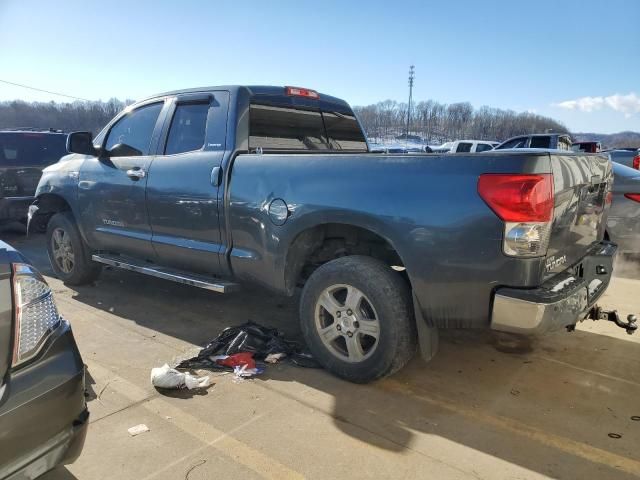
138, 429
266, 344
167, 377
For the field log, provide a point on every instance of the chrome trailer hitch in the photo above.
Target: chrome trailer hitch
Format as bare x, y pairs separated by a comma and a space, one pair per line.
597, 313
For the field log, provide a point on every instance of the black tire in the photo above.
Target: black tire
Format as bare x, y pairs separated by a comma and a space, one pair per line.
80, 270
389, 296
38, 224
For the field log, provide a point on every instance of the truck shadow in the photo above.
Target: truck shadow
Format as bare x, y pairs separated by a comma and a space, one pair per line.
557, 409
561, 407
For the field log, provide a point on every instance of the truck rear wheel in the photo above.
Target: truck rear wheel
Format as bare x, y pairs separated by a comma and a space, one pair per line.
68, 254
357, 318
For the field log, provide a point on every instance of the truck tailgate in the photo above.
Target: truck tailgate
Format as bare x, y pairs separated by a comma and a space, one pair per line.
581, 185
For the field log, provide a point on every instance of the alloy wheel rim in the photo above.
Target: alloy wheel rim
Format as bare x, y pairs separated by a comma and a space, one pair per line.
347, 323
62, 250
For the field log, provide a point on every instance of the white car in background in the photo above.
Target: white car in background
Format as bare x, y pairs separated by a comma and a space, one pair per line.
466, 146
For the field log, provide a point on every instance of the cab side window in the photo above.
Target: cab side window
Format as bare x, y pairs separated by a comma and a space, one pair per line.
135, 129
483, 147
464, 147
188, 127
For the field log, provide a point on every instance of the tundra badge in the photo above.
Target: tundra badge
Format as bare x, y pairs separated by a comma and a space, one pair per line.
553, 262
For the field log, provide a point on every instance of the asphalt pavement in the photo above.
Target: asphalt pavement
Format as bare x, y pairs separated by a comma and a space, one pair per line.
482, 409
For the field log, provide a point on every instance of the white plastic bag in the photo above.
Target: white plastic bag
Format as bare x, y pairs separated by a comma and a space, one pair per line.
167, 377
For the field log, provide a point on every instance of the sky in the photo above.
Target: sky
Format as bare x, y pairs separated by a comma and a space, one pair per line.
576, 61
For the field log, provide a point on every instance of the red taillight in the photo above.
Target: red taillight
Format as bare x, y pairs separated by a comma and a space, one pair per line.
301, 92
518, 197
633, 196
636, 162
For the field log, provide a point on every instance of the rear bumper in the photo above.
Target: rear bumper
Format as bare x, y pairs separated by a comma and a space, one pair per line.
560, 302
44, 418
14, 208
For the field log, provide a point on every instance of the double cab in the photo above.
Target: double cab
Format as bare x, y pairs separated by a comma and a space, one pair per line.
275, 186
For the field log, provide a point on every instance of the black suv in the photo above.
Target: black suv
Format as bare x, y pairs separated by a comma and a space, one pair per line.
43, 413
23, 155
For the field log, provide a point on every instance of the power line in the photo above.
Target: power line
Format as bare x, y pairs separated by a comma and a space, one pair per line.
45, 91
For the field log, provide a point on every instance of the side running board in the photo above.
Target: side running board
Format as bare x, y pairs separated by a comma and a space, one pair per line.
200, 281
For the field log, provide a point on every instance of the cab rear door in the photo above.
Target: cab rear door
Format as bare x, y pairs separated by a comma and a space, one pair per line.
184, 182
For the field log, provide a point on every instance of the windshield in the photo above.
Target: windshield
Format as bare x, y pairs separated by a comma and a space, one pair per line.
31, 149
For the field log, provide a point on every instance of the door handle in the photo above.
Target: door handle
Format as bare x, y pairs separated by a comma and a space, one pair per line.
216, 176
136, 173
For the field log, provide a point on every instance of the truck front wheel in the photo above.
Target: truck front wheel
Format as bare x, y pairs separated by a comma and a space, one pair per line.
357, 318
68, 254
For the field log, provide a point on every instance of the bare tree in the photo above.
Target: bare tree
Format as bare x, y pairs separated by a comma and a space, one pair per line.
435, 122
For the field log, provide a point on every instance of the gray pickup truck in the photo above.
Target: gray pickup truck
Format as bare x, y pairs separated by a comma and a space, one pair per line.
274, 186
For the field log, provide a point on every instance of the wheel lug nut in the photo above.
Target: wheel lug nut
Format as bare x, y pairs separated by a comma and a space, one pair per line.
349, 312
338, 314
338, 327
356, 324
349, 334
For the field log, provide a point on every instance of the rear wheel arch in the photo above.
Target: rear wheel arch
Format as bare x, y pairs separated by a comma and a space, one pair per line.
321, 243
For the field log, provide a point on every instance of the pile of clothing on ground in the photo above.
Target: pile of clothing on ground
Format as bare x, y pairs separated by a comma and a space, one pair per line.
245, 349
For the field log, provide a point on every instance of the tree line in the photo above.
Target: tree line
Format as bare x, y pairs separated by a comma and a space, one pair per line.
87, 116
436, 122
430, 120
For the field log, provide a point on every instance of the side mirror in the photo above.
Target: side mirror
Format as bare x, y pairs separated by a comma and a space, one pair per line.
82, 143
123, 150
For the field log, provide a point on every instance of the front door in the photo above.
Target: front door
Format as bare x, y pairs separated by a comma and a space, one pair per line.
184, 179
111, 189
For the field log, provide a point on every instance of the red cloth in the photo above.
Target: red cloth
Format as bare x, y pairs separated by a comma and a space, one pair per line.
238, 359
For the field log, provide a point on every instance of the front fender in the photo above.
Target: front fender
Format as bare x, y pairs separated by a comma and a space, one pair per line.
61, 178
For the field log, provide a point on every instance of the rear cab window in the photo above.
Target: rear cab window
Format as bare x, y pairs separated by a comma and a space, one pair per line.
31, 149
344, 132
483, 147
281, 128
286, 123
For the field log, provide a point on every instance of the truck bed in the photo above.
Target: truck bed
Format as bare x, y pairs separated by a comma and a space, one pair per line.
427, 206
